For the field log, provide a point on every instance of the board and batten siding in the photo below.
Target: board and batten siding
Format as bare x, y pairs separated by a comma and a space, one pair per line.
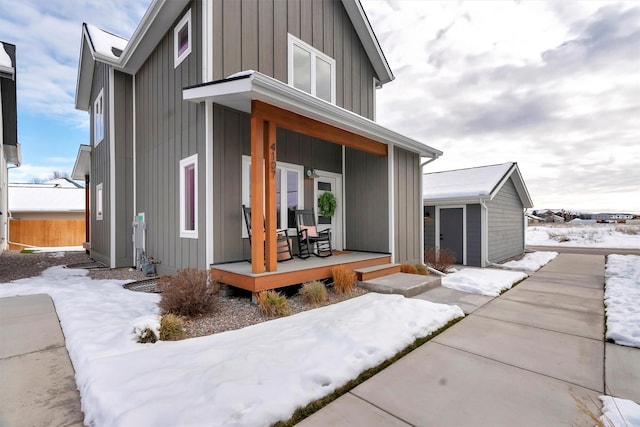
407, 205
168, 130
506, 224
100, 166
252, 35
474, 235
429, 213
366, 183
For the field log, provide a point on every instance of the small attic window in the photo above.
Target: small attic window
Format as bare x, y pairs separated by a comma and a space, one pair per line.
182, 38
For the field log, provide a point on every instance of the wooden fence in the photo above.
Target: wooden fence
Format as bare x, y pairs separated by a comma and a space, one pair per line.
45, 232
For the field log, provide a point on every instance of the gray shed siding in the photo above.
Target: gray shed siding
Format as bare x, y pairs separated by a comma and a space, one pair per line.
252, 35
429, 227
407, 203
168, 130
474, 235
506, 224
100, 165
366, 181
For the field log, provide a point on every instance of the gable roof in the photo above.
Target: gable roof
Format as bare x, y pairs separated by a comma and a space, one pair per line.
128, 56
473, 184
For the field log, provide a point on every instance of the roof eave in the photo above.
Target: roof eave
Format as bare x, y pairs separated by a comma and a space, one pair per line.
82, 166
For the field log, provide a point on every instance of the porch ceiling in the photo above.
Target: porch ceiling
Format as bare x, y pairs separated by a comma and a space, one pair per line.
238, 91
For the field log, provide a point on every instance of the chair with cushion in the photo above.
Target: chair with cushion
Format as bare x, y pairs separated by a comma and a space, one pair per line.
282, 235
310, 240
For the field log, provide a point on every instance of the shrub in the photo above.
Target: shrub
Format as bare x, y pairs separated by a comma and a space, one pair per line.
408, 268
147, 336
272, 304
188, 294
440, 259
421, 269
343, 279
171, 328
313, 293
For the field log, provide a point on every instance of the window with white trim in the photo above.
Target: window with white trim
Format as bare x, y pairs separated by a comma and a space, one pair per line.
311, 70
189, 197
182, 39
289, 192
98, 119
99, 201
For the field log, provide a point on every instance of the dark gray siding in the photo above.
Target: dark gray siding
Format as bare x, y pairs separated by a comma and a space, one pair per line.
474, 235
123, 121
100, 165
168, 130
429, 227
252, 35
366, 181
506, 224
408, 203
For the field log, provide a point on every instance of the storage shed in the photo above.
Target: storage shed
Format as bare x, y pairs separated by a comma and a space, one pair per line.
478, 213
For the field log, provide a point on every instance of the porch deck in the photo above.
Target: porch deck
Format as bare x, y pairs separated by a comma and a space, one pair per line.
294, 271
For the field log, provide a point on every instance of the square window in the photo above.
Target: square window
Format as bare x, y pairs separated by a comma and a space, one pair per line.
182, 39
98, 119
189, 197
99, 201
311, 70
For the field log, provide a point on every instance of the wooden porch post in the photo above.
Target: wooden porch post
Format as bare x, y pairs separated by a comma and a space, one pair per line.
270, 195
257, 194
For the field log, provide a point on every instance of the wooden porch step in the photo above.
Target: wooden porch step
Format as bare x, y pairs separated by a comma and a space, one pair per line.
368, 273
405, 284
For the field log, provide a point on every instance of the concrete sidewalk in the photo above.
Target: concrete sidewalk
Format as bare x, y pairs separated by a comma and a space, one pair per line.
519, 359
37, 385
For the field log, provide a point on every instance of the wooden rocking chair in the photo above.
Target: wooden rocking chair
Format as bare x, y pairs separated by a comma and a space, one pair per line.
310, 240
282, 235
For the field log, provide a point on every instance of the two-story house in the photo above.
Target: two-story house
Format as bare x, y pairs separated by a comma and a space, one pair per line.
218, 103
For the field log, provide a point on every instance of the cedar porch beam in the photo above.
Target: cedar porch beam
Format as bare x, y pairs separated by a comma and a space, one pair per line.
257, 194
307, 126
271, 258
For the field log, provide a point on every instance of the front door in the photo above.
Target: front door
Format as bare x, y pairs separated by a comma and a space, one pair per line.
330, 183
451, 232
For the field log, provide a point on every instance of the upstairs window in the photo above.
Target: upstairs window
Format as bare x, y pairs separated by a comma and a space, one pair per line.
311, 70
182, 39
189, 197
98, 119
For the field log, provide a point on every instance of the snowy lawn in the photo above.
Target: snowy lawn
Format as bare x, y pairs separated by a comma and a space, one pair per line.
250, 377
531, 261
586, 235
619, 412
622, 299
483, 281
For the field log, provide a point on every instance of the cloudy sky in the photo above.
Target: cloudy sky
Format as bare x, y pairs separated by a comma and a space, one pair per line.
552, 85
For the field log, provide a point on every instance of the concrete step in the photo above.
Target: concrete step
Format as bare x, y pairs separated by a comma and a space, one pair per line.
368, 273
405, 284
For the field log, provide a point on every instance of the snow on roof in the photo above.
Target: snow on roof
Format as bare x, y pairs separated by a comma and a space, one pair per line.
5, 59
104, 42
48, 197
462, 183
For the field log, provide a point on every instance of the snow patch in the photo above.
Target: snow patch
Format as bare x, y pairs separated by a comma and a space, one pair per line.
619, 412
585, 236
5, 59
621, 297
531, 261
103, 41
482, 281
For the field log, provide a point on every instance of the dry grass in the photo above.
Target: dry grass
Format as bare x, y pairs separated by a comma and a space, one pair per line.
343, 279
440, 259
631, 230
272, 304
592, 415
188, 294
408, 268
313, 293
421, 269
171, 328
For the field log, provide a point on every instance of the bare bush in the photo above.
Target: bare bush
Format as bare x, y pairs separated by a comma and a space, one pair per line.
439, 259
188, 294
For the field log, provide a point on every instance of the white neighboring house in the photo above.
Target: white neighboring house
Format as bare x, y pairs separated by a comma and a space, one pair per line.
9, 147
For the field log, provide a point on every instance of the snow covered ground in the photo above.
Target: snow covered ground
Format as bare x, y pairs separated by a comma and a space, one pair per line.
532, 261
620, 412
589, 235
622, 299
254, 376
483, 281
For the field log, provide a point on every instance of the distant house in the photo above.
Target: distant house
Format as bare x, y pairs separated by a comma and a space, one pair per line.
611, 217
9, 147
212, 105
50, 214
478, 213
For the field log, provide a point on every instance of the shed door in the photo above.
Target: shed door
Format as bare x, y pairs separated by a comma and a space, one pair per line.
451, 229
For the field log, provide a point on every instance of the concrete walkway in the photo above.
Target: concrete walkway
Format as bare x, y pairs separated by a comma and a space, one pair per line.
37, 385
519, 359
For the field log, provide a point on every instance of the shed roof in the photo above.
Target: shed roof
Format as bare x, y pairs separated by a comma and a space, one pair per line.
46, 197
473, 184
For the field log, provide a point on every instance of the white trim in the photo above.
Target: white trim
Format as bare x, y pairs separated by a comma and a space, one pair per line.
112, 169
464, 228
338, 234
484, 234
184, 163
392, 206
99, 202
185, 21
208, 197
344, 198
207, 31
94, 114
313, 55
133, 137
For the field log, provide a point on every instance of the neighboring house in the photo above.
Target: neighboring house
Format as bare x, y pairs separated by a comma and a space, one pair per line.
477, 213
50, 214
187, 113
9, 147
533, 219
611, 217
